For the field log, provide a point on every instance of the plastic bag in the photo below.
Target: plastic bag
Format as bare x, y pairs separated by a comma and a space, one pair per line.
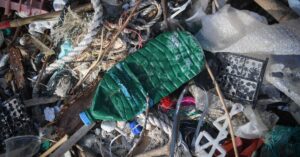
237, 31
156, 70
260, 122
295, 5
284, 73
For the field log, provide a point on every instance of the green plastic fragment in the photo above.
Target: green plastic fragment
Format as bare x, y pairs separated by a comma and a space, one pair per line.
45, 145
159, 68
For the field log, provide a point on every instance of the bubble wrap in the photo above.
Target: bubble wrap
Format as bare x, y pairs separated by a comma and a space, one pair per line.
236, 31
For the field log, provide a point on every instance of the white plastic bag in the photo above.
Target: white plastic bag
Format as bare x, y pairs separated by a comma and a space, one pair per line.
257, 126
237, 31
284, 73
295, 5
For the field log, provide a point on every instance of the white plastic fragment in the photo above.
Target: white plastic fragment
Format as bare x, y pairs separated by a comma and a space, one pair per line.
49, 113
221, 124
59, 4
63, 86
108, 126
67, 154
4, 60
237, 31
255, 128
41, 26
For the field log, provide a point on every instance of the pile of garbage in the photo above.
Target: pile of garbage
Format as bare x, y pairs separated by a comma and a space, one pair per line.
149, 78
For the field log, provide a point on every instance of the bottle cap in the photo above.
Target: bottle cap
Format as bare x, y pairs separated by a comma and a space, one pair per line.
136, 130
84, 118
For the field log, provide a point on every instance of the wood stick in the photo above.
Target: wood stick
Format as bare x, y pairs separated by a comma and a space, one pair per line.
219, 92
39, 78
28, 20
40, 101
73, 140
162, 151
55, 146
277, 10
165, 12
41, 46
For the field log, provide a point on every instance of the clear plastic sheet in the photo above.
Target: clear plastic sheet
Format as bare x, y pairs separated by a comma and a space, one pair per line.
250, 124
260, 122
237, 31
295, 5
284, 73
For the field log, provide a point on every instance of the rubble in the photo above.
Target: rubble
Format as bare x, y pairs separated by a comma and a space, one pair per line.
149, 78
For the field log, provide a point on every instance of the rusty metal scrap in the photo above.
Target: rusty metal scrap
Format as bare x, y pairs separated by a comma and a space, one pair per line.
15, 61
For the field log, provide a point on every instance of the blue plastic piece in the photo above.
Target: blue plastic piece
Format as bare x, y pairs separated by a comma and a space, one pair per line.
136, 130
84, 118
65, 48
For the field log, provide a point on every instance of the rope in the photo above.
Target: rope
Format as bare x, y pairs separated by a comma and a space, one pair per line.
85, 42
163, 122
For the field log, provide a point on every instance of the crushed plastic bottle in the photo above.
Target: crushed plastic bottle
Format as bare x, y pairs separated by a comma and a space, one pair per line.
162, 66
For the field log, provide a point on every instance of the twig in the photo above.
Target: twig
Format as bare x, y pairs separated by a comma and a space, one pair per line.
41, 46
112, 41
40, 76
14, 37
40, 101
143, 131
162, 151
72, 140
28, 20
225, 108
165, 12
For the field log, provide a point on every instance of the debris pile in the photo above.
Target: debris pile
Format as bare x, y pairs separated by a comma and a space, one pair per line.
149, 78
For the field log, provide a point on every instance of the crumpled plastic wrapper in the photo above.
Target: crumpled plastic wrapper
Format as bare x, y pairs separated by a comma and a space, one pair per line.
238, 31
260, 122
295, 5
284, 73
41, 26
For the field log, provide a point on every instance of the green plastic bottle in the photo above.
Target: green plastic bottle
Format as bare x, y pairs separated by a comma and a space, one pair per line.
156, 70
